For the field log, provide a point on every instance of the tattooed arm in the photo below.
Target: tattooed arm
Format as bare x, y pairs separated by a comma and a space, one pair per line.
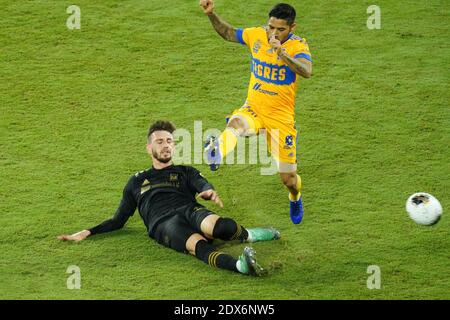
300, 66
223, 28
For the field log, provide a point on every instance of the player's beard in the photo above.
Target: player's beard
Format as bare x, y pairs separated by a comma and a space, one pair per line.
160, 156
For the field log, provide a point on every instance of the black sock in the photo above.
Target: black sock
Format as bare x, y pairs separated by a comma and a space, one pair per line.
228, 229
208, 254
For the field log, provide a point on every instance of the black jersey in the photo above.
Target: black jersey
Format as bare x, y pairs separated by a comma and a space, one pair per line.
158, 195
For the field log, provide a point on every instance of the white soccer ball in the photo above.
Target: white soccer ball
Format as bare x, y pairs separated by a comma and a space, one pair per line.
424, 209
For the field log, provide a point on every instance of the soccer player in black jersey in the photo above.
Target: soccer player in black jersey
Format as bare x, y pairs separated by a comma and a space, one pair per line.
165, 197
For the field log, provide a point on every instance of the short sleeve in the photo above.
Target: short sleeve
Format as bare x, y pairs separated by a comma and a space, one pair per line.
240, 36
302, 50
244, 36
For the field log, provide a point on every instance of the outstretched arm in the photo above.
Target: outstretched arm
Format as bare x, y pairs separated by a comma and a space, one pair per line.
75, 237
124, 212
223, 28
115, 223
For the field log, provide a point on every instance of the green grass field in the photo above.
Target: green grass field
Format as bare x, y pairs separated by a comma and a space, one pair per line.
76, 104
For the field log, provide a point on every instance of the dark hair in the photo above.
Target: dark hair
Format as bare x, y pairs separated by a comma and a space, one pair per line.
283, 11
160, 126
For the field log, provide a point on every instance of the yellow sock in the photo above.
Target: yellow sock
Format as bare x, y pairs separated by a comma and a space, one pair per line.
298, 187
227, 141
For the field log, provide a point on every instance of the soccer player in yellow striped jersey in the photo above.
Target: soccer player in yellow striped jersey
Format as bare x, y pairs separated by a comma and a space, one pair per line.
279, 60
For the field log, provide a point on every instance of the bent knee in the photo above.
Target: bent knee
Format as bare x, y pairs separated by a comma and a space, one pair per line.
289, 179
191, 243
238, 125
208, 224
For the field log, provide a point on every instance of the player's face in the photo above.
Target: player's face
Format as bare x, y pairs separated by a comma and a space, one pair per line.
279, 28
161, 146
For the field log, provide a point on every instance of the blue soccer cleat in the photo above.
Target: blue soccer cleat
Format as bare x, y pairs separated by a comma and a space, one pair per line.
212, 151
296, 210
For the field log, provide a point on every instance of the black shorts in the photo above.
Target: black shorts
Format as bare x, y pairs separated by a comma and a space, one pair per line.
175, 231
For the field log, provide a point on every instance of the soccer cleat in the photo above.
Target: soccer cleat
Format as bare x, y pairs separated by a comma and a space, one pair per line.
262, 234
212, 151
248, 264
296, 210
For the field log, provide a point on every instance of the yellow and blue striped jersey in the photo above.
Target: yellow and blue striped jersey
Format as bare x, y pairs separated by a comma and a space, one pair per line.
273, 85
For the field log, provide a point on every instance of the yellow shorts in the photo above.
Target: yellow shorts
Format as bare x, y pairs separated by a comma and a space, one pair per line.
281, 137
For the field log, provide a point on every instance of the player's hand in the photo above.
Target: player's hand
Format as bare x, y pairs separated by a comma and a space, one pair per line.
207, 5
275, 43
211, 195
75, 237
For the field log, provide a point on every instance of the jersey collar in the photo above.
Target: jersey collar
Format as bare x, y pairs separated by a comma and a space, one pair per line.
168, 167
